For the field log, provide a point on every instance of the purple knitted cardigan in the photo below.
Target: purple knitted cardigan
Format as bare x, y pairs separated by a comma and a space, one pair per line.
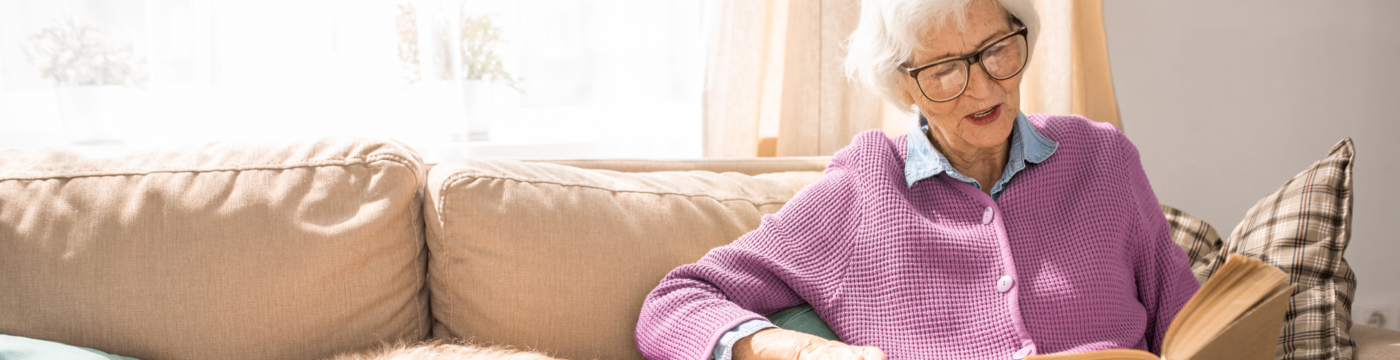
1074, 256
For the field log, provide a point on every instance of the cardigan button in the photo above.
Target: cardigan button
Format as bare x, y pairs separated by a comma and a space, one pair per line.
1004, 283
987, 215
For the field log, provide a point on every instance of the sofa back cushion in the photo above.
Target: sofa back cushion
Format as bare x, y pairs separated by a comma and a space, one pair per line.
558, 259
223, 251
717, 165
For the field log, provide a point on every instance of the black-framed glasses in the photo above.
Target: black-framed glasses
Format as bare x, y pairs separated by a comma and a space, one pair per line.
947, 79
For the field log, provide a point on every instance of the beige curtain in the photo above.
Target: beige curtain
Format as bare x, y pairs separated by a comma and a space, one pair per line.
1069, 72
774, 85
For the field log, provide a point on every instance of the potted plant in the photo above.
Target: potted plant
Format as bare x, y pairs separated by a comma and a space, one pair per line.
482, 69
93, 77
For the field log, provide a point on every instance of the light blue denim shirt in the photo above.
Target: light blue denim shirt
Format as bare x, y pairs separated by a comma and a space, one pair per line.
924, 161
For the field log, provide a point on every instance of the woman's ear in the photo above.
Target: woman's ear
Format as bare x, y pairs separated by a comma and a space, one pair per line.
906, 96
903, 91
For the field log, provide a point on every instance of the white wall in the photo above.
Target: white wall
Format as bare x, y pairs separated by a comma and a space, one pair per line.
1226, 100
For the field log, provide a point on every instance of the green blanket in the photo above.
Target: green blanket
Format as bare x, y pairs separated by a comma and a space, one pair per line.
802, 318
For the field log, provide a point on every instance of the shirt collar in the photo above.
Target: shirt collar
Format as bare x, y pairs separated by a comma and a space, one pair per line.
924, 161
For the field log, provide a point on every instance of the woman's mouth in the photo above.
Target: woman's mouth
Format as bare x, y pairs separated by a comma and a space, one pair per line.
984, 117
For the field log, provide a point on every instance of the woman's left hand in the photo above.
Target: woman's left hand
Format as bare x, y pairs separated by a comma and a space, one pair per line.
781, 344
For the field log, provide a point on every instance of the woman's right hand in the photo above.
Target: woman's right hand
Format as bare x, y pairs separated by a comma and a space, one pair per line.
781, 344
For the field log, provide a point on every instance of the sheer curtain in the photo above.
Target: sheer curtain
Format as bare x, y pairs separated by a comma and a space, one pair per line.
774, 85
773, 80
1069, 72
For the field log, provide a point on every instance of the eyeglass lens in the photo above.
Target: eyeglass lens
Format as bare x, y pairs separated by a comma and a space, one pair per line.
947, 80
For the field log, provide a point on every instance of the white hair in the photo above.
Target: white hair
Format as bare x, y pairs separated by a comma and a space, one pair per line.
890, 30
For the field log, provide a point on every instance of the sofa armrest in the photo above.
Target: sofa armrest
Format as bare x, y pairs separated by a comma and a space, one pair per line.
1373, 343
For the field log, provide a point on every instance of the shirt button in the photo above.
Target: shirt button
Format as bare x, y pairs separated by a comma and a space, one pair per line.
987, 215
1021, 354
1004, 283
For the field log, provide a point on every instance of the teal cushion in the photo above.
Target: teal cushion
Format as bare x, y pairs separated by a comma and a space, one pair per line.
802, 318
20, 348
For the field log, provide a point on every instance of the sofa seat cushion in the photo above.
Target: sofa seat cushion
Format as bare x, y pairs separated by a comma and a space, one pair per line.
1373, 343
559, 259
222, 251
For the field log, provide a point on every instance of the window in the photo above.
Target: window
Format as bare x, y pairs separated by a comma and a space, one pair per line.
599, 78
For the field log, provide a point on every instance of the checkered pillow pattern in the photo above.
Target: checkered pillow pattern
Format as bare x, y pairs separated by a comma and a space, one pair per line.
1303, 228
1199, 239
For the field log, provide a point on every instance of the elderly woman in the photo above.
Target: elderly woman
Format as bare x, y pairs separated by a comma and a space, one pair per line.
981, 234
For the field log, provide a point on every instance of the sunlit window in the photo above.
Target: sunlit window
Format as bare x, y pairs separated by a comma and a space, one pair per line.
452, 78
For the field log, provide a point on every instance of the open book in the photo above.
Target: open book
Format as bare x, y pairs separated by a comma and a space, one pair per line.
1237, 314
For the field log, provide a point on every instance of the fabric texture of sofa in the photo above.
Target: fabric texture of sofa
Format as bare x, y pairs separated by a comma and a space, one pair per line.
220, 251
306, 250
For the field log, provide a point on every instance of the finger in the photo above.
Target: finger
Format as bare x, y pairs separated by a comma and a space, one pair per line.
831, 350
871, 353
837, 350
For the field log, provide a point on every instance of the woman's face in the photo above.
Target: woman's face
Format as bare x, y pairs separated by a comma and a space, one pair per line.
952, 123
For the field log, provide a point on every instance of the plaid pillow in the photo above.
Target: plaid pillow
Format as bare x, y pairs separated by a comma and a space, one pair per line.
1303, 228
1197, 237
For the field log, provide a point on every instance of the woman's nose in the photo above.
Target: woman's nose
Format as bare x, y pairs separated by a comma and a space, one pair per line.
979, 84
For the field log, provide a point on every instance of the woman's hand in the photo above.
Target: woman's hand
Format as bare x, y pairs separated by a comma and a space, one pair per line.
780, 344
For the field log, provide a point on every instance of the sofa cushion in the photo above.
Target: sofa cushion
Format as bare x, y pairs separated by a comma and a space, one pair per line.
742, 166
1373, 343
222, 251
559, 259
1198, 238
1303, 228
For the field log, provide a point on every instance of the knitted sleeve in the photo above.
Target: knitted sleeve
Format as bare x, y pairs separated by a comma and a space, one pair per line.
795, 256
1163, 272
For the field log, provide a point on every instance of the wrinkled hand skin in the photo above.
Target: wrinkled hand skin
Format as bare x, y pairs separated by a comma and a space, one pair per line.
780, 344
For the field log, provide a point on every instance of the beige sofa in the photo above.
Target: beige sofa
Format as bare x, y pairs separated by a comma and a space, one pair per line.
306, 250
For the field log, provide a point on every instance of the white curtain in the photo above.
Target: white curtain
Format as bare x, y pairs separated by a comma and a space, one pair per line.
1070, 73
773, 80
